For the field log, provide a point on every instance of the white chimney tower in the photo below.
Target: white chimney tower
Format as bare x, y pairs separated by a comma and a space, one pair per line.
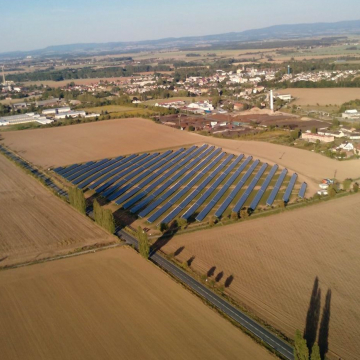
271, 100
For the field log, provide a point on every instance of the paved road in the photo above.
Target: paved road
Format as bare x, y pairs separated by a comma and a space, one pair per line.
256, 329
241, 318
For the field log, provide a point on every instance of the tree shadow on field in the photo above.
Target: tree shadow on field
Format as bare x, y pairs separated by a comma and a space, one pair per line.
219, 276
165, 237
313, 316
323, 340
211, 271
190, 261
179, 251
229, 281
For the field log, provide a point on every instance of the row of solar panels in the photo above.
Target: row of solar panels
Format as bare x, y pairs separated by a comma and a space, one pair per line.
130, 178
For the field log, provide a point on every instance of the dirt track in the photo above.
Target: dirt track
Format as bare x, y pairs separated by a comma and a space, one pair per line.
111, 305
274, 261
35, 224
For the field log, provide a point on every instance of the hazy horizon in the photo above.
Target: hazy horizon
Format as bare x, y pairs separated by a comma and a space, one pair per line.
28, 26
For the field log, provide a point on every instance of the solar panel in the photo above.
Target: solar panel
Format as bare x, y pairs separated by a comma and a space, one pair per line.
290, 187
263, 188
161, 160
212, 188
155, 172
79, 168
87, 170
96, 173
121, 171
250, 188
237, 188
130, 173
277, 187
188, 176
123, 164
182, 192
62, 170
186, 167
96, 170
302, 190
188, 155
223, 190
197, 191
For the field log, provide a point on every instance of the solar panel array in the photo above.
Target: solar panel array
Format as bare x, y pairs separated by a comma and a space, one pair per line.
289, 188
212, 188
238, 187
161, 186
250, 188
302, 190
277, 187
263, 188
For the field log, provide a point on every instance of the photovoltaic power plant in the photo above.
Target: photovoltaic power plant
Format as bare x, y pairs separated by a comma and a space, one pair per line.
192, 182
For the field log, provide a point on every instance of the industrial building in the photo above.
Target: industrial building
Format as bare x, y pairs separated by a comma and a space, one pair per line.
24, 118
70, 114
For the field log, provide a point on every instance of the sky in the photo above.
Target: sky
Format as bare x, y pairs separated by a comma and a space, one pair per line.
35, 24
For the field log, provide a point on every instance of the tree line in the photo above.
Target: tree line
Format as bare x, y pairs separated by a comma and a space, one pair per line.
104, 217
84, 73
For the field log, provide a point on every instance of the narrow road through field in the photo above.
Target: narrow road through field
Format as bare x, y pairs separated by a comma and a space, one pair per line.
241, 318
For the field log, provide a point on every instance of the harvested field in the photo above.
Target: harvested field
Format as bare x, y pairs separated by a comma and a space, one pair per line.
92, 141
35, 224
111, 305
79, 143
275, 260
334, 96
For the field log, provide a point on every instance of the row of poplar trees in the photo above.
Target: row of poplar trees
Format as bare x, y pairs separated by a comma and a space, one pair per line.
103, 217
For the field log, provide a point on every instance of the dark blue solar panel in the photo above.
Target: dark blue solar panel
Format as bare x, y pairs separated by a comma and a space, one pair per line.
188, 176
197, 191
277, 187
212, 188
155, 172
290, 187
96, 171
223, 190
160, 161
123, 170
182, 192
250, 188
197, 156
237, 188
128, 161
87, 170
129, 174
65, 170
106, 168
264, 186
302, 190
185, 156
79, 168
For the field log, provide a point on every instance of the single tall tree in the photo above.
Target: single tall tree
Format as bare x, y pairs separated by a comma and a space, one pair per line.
301, 351
144, 247
315, 352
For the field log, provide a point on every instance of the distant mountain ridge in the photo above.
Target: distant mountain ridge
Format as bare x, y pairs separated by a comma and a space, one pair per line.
276, 32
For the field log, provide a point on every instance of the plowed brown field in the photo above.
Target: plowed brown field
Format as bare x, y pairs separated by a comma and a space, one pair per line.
34, 223
275, 260
334, 96
111, 305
